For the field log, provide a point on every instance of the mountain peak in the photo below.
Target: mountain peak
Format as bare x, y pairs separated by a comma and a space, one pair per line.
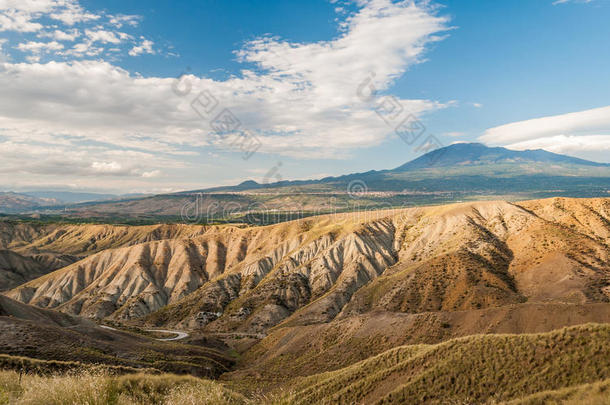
248, 183
463, 154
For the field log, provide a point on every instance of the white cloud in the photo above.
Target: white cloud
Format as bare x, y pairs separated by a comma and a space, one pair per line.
146, 47
59, 35
73, 13
30, 16
566, 143
581, 131
151, 174
305, 99
103, 36
581, 122
106, 167
33, 6
39, 159
20, 15
119, 20
12, 20
556, 2
37, 47
302, 99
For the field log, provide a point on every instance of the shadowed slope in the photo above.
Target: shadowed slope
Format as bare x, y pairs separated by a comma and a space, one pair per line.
45, 334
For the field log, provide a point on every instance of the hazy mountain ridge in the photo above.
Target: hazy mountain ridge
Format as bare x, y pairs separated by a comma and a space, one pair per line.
14, 202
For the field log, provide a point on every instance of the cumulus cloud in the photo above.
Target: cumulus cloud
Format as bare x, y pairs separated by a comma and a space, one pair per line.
37, 48
105, 36
587, 130
119, 20
59, 35
73, 13
21, 15
99, 29
146, 47
40, 46
303, 98
298, 99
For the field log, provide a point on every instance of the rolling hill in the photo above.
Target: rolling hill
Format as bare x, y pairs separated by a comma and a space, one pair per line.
476, 369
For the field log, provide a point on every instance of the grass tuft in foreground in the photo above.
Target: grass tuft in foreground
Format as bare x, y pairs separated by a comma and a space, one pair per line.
104, 389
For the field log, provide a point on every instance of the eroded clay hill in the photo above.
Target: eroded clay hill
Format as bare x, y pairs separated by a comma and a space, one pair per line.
82, 240
30, 250
448, 258
16, 269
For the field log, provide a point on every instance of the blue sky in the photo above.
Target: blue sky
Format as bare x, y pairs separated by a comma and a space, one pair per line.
88, 101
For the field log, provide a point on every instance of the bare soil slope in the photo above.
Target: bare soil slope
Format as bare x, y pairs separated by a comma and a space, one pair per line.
30, 250
448, 258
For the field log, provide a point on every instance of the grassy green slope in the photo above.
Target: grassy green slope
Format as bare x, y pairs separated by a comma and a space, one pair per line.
474, 369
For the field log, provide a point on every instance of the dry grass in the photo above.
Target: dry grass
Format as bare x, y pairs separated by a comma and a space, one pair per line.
103, 389
37, 366
586, 394
571, 366
475, 369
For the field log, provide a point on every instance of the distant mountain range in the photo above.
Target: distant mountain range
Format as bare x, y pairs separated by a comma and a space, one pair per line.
459, 167
11, 202
14, 202
463, 171
71, 197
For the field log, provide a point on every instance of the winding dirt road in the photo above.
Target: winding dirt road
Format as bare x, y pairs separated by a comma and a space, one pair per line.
179, 335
